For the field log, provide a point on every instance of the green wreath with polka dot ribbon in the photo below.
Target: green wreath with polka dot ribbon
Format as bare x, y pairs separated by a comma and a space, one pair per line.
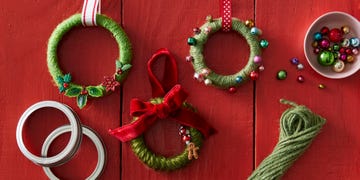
205, 74
64, 81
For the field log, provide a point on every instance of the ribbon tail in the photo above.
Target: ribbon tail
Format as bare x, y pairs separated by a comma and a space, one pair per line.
135, 129
191, 119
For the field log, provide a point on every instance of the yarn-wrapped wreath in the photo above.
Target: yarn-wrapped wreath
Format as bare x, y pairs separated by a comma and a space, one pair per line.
64, 81
162, 163
205, 74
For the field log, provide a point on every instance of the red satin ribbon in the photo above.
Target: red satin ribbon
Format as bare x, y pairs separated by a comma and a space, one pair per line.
225, 13
170, 108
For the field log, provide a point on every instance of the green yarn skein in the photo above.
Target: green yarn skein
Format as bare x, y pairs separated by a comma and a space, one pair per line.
298, 127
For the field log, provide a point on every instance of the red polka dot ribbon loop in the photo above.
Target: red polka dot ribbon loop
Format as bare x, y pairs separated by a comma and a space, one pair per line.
89, 11
225, 12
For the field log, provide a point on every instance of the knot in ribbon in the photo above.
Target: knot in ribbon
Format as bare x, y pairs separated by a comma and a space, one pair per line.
173, 101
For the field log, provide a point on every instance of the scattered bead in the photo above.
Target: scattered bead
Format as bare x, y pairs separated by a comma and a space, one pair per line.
255, 31
238, 79
345, 42
300, 79
348, 51
324, 43
355, 42
232, 90
254, 75
281, 75
339, 66
355, 51
300, 66
324, 31
261, 68
191, 41
257, 59
316, 50
197, 30
336, 47
189, 58
249, 23
207, 82
294, 61
317, 36
326, 58
335, 35
207, 30
345, 29
321, 86
343, 57
264, 43
350, 59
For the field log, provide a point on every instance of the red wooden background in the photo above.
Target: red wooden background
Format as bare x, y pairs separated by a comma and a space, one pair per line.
247, 122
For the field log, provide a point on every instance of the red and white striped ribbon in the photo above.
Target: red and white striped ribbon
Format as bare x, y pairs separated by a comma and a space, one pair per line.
225, 12
89, 11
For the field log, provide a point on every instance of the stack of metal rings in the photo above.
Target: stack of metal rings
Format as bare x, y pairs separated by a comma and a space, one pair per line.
76, 129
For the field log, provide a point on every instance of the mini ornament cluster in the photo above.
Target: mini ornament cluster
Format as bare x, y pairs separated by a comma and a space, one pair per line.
334, 48
205, 75
191, 148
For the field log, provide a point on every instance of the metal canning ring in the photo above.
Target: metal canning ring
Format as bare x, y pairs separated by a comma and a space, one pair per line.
89, 133
68, 152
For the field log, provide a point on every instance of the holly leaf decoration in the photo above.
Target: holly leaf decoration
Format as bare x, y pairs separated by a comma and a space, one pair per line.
95, 91
62, 89
118, 64
81, 100
126, 67
67, 78
73, 91
60, 80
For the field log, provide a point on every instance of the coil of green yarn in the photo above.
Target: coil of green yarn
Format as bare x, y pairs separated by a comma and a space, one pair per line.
64, 81
159, 162
204, 74
298, 127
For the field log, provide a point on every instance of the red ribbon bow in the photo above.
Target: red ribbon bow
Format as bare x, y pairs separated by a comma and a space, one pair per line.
171, 107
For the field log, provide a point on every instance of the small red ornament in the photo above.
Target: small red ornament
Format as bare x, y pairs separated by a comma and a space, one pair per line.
342, 50
66, 85
182, 131
232, 90
348, 51
254, 75
83, 92
335, 35
186, 138
324, 31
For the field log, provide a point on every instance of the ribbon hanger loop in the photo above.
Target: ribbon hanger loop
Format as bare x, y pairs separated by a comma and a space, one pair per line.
170, 78
90, 9
225, 13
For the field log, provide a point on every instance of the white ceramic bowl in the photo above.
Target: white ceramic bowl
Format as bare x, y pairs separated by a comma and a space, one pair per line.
332, 20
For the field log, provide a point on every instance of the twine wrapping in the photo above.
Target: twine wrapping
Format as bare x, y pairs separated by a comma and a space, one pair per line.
298, 127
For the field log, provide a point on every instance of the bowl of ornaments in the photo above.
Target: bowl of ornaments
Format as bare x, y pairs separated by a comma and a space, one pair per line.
331, 45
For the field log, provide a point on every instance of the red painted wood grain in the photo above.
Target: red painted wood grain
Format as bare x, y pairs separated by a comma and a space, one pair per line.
247, 122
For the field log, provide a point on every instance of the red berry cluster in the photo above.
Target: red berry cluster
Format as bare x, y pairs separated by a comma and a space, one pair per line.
185, 134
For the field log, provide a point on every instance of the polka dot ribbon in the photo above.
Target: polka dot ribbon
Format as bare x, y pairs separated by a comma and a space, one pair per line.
89, 11
225, 12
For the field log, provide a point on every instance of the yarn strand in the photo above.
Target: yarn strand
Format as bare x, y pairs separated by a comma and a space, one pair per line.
298, 127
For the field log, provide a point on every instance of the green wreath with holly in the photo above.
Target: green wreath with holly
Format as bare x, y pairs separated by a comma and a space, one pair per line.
65, 81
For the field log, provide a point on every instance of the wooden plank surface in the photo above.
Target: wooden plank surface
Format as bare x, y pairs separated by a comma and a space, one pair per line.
247, 121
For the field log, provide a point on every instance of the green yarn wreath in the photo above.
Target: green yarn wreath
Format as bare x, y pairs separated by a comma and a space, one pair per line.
159, 162
64, 81
198, 41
